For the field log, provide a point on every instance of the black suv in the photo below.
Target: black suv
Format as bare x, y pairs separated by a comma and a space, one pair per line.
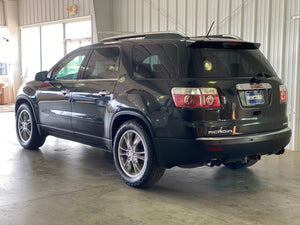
159, 100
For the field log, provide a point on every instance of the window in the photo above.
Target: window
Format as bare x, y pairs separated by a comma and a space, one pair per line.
52, 45
77, 34
104, 64
215, 62
70, 67
31, 57
43, 46
3, 68
4, 53
155, 61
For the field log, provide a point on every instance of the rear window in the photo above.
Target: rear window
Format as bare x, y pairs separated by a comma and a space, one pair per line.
214, 62
154, 61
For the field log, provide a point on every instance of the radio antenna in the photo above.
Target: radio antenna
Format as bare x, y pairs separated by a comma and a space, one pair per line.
211, 26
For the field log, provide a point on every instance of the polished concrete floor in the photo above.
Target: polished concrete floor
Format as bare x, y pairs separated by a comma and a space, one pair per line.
69, 183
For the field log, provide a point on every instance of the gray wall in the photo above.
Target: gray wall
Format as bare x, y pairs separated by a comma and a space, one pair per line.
104, 18
42, 11
2, 17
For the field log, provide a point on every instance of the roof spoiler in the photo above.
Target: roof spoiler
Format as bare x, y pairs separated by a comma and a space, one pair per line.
226, 36
234, 44
154, 35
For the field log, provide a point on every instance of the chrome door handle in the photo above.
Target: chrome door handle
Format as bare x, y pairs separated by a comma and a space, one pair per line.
65, 91
103, 92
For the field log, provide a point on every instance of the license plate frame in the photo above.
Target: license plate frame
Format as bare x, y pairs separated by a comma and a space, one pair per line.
254, 97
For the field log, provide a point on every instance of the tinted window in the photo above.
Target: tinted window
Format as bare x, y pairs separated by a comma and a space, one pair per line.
69, 68
155, 61
103, 64
213, 62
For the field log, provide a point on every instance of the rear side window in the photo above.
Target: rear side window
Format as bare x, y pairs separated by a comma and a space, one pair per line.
154, 61
103, 64
214, 62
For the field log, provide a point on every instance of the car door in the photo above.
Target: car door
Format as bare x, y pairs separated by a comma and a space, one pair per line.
54, 95
93, 94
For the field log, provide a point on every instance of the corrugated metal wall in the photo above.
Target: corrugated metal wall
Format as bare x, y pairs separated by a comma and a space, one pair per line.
269, 22
42, 11
2, 14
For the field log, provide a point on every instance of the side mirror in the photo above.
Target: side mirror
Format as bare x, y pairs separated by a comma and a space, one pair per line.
41, 76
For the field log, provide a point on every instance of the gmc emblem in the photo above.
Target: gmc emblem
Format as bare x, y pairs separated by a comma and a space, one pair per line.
256, 86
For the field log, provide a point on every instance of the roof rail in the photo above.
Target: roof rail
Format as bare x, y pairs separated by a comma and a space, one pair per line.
228, 36
152, 35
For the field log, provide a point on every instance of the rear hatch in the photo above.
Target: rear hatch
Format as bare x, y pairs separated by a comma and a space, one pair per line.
230, 89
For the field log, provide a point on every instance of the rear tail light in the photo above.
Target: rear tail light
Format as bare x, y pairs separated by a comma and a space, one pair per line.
210, 97
196, 97
283, 94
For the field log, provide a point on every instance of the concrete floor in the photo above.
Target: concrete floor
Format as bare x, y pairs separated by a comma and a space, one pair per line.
69, 183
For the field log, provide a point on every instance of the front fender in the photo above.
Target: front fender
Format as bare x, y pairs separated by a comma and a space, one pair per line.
27, 94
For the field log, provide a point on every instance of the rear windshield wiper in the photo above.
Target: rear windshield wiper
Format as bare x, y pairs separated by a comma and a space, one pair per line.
256, 78
263, 74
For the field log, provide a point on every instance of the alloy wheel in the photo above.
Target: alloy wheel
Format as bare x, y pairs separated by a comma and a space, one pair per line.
132, 154
24, 126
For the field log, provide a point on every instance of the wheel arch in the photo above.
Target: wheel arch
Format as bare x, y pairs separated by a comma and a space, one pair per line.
24, 100
123, 116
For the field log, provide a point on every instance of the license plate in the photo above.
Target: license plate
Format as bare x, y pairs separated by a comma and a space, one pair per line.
254, 97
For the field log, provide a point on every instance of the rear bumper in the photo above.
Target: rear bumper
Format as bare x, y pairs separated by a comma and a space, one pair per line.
174, 152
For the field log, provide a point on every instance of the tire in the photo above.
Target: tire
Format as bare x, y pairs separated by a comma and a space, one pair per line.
26, 128
134, 157
240, 165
